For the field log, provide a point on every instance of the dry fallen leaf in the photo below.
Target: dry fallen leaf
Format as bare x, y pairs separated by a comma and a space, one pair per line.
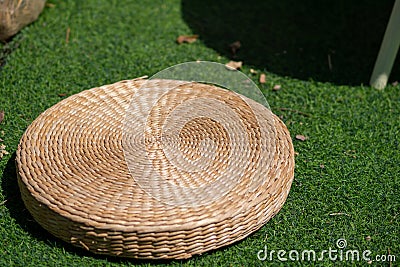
234, 65
322, 166
50, 5
187, 39
1, 116
277, 87
263, 78
301, 137
67, 34
3, 151
235, 47
252, 71
62, 94
368, 238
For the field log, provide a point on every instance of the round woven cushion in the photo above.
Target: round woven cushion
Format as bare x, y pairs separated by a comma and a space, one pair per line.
16, 14
84, 177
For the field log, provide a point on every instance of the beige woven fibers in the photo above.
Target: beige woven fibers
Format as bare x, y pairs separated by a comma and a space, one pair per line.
16, 14
147, 173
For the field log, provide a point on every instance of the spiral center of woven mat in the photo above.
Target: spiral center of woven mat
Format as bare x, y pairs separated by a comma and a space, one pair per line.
189, 144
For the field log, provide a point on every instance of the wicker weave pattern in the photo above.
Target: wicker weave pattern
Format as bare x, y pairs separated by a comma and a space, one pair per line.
75, 181
16, 14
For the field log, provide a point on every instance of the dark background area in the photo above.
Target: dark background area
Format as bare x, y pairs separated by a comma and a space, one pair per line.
296, 38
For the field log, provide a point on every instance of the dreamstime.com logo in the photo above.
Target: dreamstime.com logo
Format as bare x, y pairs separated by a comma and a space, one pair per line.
333, 254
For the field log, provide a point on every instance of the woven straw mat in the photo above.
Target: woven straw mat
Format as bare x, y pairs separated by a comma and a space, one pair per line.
79, 175
16, 14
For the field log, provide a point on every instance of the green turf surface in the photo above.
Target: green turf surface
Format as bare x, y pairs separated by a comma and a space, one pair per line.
348, 166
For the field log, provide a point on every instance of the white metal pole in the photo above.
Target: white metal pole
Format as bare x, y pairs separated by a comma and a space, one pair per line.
388, 50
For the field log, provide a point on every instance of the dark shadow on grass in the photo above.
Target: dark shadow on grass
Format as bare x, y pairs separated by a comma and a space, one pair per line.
328, 41
24, 219
9, 47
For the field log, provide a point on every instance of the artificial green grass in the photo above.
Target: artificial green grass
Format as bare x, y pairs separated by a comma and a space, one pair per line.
348, 166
